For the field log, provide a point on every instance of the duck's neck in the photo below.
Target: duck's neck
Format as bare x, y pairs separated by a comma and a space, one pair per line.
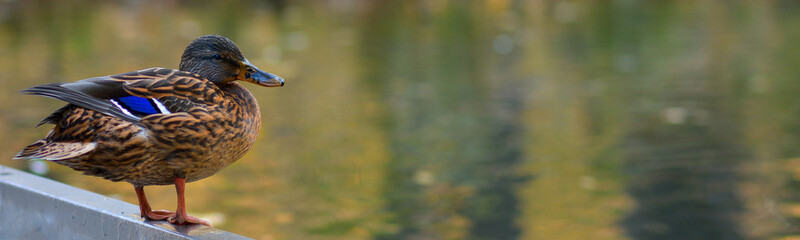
248, 110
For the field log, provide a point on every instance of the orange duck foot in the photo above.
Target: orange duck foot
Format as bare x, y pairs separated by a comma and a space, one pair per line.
178, 217
186, 219
157, 214
174, 218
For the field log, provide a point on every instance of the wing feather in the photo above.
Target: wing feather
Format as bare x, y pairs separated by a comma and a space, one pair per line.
169, 89
55, 90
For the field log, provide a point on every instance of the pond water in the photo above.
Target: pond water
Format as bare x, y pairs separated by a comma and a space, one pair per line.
487, 119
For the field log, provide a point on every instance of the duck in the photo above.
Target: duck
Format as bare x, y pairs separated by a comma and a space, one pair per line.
157, 126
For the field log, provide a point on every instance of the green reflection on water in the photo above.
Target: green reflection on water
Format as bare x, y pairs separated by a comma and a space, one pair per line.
445, 120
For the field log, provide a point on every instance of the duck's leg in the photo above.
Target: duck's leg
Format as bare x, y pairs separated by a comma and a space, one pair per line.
180, 216
144, 207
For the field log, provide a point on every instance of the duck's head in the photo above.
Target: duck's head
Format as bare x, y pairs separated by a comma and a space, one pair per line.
219, 60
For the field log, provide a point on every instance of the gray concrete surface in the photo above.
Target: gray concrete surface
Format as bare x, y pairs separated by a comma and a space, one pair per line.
33, 207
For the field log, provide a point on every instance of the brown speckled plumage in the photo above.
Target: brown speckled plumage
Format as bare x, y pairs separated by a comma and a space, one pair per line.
203, 120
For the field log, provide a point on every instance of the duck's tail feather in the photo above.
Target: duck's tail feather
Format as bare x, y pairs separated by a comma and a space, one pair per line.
54, 151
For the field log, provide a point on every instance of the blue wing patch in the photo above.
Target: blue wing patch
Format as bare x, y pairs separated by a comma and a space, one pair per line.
138, 106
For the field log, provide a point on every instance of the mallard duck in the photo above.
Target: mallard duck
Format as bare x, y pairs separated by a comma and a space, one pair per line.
157, 126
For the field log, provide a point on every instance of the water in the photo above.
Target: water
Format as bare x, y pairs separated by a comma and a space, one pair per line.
451, 120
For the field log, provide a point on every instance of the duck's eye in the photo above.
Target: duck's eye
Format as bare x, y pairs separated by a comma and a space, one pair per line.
217, 57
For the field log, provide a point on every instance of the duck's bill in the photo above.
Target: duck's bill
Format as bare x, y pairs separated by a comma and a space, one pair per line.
254, 75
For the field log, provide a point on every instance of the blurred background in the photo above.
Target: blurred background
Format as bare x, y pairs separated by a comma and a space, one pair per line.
438, 119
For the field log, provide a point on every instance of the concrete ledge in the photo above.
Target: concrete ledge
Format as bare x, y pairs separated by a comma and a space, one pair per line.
33, 207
